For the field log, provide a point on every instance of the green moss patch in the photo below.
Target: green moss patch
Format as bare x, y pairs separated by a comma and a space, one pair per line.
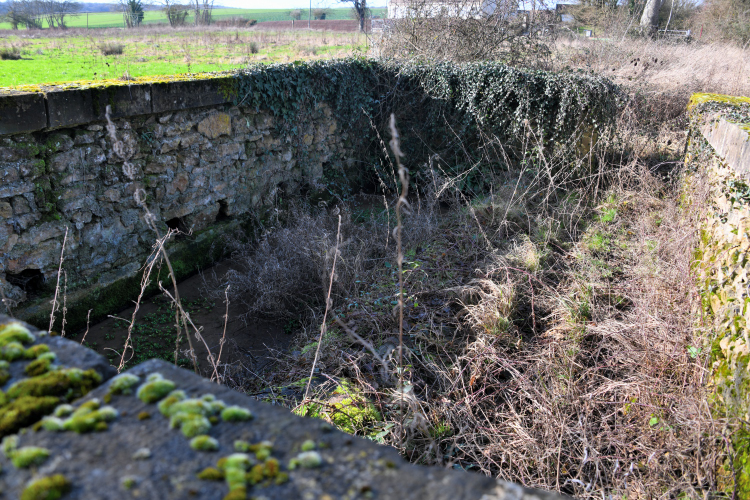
348, 409
47, 488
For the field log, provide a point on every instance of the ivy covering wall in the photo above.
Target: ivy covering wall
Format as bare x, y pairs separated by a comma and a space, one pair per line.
447, 109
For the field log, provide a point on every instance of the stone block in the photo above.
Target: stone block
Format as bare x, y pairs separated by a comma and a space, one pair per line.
732, 142
124, 100
15, 189
70, 107
22, 113
216, 125
173, 96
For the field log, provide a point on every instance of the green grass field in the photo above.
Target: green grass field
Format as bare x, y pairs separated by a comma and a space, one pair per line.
163, 52
114, 19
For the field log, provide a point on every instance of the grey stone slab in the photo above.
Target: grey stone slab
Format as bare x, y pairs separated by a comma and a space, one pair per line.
170, 96
125, 100
22, 113
96, 464
69, 107
731, 141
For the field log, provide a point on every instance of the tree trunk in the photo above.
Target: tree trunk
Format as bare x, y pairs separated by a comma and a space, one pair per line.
650, 17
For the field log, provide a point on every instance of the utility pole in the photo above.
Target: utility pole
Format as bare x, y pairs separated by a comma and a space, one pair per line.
309, 15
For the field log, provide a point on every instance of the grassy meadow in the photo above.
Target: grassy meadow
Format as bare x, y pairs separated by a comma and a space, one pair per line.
114, 19
81, 55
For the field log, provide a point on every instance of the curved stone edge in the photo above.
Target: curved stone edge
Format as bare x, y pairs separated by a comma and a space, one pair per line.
100, 461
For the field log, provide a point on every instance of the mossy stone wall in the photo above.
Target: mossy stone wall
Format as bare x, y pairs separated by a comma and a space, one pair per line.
719, 150
205, 169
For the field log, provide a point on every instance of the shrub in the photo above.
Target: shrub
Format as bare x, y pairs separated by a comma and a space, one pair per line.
10, 54
111, 48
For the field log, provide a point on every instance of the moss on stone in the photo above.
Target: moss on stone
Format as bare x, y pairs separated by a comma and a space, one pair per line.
155, 388
211, 474
204, 443
52, 424
12, 351
700, 98
36, 351
24, 411
308, 445
123, 384
90, 417
172, 398
28, 456
306, 459
47, 488
236, 414
144, 415
68, 382
190, 424
15, 332
38, 367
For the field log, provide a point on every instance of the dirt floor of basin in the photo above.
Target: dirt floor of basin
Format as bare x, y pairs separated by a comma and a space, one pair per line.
251, 343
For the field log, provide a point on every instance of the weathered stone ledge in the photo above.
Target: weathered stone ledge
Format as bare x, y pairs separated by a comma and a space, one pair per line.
51, 108
138, 455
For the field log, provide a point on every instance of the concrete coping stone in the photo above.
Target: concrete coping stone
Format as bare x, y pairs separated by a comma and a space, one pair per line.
48, 107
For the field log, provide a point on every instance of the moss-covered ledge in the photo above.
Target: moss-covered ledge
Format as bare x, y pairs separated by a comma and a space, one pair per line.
719, 150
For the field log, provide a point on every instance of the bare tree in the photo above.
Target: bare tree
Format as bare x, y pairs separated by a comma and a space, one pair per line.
176, 13
361, 11
202, 10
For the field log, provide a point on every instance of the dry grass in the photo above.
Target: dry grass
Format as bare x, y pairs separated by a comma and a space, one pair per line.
551, 333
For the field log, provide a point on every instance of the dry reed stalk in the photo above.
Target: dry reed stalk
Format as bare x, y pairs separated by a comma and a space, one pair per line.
55, 304
224, 333
88, 317
323, 326
402, 202
150, 262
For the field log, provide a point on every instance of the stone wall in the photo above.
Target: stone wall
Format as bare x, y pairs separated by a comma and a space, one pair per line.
194, 159
719, 154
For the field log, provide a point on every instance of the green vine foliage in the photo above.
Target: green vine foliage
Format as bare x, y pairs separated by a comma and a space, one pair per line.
448, 109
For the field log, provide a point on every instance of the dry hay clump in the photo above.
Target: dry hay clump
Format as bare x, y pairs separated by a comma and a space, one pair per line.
285, 274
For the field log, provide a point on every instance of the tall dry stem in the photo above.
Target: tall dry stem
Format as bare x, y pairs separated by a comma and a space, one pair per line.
323, 326
55, 304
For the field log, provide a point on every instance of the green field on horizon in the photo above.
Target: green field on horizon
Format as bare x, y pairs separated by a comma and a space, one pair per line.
147, 53
115, 20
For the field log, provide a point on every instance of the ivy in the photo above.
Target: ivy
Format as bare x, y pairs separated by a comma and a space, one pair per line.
447, 108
